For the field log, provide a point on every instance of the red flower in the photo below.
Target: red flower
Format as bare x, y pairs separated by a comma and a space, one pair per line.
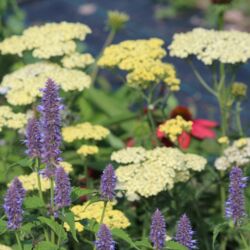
201, 129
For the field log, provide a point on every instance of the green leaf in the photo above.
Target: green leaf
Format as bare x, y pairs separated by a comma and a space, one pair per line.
121, 234
3, 226
77, 192
44, 245
33, 202
56, 227
219, 228
175, 245
70, 219
115, 141
144, 244
245, 227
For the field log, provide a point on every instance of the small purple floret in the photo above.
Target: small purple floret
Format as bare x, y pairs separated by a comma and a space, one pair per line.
104, 239
13, 202
108, 183
33, 139
62, 188
235, 205
158, 230
184, 234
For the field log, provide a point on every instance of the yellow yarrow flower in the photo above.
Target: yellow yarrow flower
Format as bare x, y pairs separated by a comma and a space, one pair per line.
3, 247
85, 131
113, 218
241, 142
10, 119
117, 20
142, 59
223, 140
77, 60
239, 89
229, 47
174, 127
86, 150
23, 86
49, 40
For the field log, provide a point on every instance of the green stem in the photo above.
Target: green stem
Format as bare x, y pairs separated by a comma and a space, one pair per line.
86, 171
103, 212
52, 207
18, 241
238, 120
222, 194
37, 168
246, 246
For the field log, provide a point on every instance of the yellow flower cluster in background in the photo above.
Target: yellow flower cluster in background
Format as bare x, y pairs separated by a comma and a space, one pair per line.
172, 128
239, 89
77, 60
23, 86
237, 154
113, 218
211, 45
86, 150
161, 166
84, 131
3, 247
142, 59
30, 182
49, 40
223, 140
10, 119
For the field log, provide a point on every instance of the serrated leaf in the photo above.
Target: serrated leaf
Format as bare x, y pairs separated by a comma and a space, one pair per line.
70, 219
33, 202
121, 234
44, 245
144, 243
175, 246
77, 192
56, 227
219, 228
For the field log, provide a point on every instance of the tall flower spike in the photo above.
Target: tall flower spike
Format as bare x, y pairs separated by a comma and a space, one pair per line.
158, 230
33, 139
235, 205
108, 183
184, 234
13, 204
51, 126
62, 188
104, 239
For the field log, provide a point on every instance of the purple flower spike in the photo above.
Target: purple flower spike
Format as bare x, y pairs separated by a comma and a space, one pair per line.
33, 139
13, 202
51, 126
62, 188
235, 205
104, 239
158, 230
184, 234
108, 183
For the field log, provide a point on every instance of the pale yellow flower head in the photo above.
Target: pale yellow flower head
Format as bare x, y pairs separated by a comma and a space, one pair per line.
161, 166
117, 20
113, 218
172, 128
86, 150
85, 131
223, 140
9, 119
77, 60
3, 247
142, 59
212, 45
24, 85
49, 40
239, 89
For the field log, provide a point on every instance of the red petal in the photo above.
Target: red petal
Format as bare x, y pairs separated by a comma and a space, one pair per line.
160, 134
202, 132
205, 123
184, 140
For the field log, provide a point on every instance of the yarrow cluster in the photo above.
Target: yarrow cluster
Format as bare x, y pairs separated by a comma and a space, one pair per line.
162, 166
86, 150
142, 59
33, 139
13, 202
50, 109
113, 218
235, 205
108, 183
22, 87
229, 47
85, 131
236, 154
239, 89
104, 239
184, 234
158, 230
172, 128
10, 119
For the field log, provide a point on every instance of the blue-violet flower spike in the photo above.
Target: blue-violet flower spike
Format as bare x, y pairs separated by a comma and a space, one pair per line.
104, 239
13, 202
108, 183
184, 234
158, 230
235, 205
